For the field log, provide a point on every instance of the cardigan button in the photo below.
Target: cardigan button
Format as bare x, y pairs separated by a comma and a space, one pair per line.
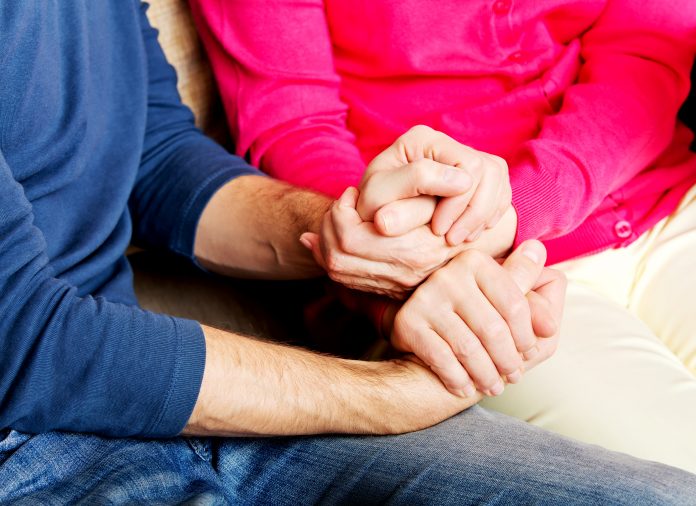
502, 7
623, 229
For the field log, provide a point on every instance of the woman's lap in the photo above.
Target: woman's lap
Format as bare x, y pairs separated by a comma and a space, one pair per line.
612, 382
476, 457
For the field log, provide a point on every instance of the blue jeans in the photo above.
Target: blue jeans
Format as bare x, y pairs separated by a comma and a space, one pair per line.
473, 458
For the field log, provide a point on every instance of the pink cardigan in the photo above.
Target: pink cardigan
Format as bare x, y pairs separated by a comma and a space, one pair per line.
580, 96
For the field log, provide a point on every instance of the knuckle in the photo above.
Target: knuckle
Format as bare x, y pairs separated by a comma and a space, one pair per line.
419, 130
443, 280
496, 332
517, 306
470, 257
465, 347
475, 165
410, 281
437, 356
347, 241
500, 162
421, 300
333, 262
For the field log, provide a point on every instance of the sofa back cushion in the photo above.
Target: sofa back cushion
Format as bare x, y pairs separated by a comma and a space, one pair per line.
184, 51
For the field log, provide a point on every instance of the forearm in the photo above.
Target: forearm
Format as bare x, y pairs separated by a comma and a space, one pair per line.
251, 228
255, 388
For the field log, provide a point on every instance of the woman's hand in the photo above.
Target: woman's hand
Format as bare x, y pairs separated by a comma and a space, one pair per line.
394, 253
479, 324
482, 200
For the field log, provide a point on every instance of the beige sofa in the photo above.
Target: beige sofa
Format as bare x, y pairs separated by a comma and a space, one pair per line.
184, 51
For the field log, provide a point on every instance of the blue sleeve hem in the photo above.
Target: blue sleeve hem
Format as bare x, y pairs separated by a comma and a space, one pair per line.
186, 380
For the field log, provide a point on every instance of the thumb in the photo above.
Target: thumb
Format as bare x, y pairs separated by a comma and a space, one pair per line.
422, 177
525, 264
310, 240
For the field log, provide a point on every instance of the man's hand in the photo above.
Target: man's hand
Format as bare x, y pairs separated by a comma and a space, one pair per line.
471, 323
484, 188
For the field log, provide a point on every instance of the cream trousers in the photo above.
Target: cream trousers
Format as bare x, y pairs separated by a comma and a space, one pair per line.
624, 376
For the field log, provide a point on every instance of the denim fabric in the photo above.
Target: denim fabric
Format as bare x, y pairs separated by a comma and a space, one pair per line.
477, 457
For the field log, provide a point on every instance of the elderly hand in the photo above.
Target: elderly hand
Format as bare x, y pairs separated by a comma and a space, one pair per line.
479, 324
394, 253
356, 255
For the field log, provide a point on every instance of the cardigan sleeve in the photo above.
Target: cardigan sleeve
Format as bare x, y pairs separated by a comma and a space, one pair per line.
614, 122
274, 67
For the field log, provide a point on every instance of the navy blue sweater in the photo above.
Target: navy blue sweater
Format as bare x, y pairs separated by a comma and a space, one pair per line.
95, 148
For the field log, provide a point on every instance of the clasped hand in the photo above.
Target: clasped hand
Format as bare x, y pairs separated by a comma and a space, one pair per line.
431, 215
421, 202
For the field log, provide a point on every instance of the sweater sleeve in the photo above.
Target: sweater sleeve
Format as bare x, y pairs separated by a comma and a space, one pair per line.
181, 168
83, 364
274, 66
614, 121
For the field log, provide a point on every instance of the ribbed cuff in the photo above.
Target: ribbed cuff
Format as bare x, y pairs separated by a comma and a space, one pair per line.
185, 383
535, 198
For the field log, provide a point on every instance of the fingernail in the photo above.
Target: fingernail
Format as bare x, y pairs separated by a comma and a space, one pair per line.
387, 221
347, 196
531, 251
514, 377
497, 388
457, 177
457, 235
306, 243
531, 353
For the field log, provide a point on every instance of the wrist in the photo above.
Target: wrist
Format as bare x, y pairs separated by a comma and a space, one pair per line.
313, 209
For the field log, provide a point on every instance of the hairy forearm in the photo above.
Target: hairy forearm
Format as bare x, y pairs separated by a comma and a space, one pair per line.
251, 228
255, 388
